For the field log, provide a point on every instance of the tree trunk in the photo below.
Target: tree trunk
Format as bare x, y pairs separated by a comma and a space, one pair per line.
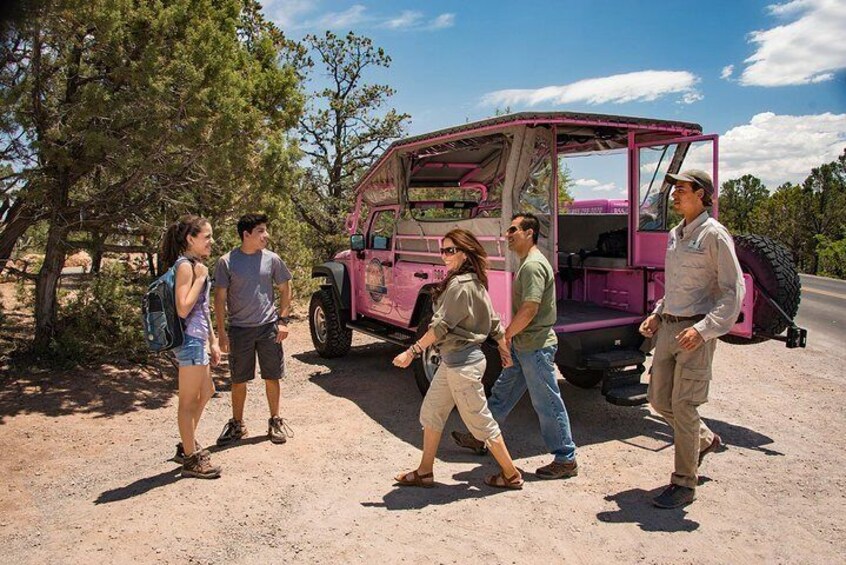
47, 283
97, 251
151, 264
18, 220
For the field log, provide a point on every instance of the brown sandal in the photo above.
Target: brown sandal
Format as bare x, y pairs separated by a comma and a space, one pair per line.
501, 481
416, 480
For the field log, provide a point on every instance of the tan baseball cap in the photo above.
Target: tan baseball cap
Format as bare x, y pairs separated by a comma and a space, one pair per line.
697, 177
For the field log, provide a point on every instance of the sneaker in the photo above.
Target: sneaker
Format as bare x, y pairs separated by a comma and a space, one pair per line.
716, 445
675, 496
198, 465
232, 432
180, 452
278, 430
558, 470
466, 440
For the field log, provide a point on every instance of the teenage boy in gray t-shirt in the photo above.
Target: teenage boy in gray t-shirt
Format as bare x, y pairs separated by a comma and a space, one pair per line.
244, 288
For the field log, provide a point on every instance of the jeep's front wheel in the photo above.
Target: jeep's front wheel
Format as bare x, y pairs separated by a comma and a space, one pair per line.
328, 334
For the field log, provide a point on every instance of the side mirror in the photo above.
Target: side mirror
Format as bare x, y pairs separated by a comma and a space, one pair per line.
357, 242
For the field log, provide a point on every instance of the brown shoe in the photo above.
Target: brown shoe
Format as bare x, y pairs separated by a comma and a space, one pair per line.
278, 430
180, 452
558, 470
466, 440
198, 465
232, 432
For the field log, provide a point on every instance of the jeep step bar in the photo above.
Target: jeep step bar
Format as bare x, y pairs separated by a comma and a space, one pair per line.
380, 331
622, 370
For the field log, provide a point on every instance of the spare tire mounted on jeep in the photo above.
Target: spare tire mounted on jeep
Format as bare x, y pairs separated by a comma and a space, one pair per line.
774, 272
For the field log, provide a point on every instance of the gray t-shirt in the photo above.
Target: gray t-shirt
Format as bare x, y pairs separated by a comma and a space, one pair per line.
249, 280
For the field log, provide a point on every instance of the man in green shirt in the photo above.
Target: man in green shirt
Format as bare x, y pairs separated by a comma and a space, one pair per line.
533, 346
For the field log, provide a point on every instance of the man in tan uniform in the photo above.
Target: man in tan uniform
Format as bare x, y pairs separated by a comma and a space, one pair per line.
702, 298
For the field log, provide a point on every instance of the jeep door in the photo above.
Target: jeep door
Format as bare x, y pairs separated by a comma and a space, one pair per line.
652, 216
375, 266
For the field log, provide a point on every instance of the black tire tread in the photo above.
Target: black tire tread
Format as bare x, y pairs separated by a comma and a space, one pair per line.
338, 336
782, 283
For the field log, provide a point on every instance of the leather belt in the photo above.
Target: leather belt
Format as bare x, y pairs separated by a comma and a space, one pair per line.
675, 319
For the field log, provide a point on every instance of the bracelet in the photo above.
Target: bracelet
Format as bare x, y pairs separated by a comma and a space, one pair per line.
285, 319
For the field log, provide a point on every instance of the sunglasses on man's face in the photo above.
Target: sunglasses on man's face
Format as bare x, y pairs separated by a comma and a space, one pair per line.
512, 230
449, 250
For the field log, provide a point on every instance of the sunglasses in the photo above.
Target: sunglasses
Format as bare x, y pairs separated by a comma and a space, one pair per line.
512, 230
449, 250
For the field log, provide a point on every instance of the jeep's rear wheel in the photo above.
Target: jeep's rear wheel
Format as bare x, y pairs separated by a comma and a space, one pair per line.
425, 367
771, 265
582, 378
328, 334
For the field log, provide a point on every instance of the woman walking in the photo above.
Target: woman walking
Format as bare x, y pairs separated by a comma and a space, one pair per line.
187, 243
463, 320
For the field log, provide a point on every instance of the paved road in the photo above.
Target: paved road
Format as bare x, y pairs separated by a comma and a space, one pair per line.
823, 312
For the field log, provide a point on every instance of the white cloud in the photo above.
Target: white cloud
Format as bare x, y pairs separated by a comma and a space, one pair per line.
607, 187
727, 71
286, 13
443, 21
337, 20
781, 148
291, 14
586, 182
406, 19
807, 50
642, 86
690, 97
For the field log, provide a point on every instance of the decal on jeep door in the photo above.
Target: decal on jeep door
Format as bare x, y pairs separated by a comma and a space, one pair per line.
374, 280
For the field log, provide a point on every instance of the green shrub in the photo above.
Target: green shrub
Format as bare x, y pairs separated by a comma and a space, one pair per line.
832, 257
102, 320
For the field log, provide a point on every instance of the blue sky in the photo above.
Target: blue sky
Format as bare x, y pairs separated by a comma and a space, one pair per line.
768, 77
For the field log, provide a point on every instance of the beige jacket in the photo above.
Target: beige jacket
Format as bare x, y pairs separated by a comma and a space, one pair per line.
464, 315
702, 276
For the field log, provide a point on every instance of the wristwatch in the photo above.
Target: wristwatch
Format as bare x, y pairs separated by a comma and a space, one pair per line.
285, 319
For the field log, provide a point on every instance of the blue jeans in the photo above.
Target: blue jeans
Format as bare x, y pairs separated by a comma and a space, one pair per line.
535, 370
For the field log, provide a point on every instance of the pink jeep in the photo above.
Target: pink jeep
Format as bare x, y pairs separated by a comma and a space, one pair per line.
608, 254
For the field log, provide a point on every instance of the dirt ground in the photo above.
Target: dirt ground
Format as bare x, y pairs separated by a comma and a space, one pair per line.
86, 475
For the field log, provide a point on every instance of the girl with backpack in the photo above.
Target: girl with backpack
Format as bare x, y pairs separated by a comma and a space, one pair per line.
187, 243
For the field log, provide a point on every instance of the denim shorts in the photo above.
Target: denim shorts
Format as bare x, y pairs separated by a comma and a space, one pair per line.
192, 352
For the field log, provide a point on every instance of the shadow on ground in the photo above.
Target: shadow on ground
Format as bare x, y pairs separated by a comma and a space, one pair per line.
635, 508
390, 397
102, 391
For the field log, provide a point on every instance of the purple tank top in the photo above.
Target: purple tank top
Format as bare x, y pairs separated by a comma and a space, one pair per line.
197, 322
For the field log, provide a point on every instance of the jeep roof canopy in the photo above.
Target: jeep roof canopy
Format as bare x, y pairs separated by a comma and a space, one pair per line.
422, 159
508, 155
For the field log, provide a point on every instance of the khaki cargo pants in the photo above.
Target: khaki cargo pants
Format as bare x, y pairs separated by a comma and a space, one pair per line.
462, 388
678, 385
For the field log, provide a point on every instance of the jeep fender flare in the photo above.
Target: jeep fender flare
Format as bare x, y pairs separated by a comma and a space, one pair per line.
424, 296
336, 276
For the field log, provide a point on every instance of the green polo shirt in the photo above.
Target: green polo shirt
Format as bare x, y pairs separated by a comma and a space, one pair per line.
535, 282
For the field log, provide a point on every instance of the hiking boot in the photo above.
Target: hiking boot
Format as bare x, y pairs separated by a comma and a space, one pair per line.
716, 445
232, 432
675, 496
558, 470
278, 430
198, 465
180, 452
466, 440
